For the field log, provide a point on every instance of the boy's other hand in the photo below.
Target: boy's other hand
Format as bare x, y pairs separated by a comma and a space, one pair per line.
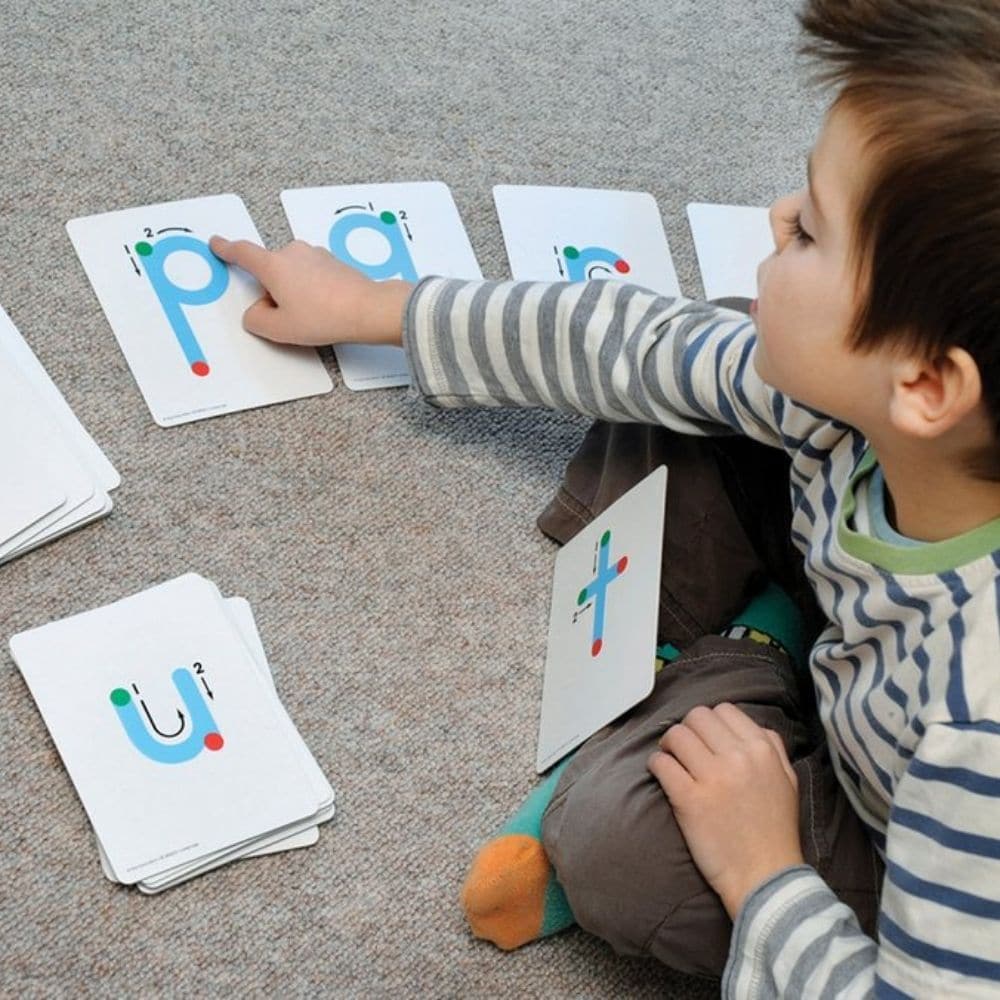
735, 797
313, 298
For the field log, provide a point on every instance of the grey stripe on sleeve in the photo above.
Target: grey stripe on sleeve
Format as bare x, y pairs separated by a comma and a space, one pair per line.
511, 341
478, 340
853, 968
548, 347
413, 351
849, 968
612, 346
444, 338
582, 313
641, 388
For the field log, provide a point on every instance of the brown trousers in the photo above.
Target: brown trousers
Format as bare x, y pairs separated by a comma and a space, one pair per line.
609, 831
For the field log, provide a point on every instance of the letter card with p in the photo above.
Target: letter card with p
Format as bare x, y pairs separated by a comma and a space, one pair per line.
601, 656
177, 309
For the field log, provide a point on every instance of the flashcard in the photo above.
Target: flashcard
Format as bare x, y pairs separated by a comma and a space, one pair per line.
601, 653
176, 310
730, 241
17, 349
164, 785
29, 491
580, 234
386, 231
46, 486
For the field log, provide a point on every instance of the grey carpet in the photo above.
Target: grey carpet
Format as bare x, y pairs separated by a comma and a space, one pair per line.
389, 551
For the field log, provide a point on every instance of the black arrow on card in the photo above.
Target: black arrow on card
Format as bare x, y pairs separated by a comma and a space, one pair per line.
132, 261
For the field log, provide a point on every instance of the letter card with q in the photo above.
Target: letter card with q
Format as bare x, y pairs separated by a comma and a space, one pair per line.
177, 310
601, 657
385, 231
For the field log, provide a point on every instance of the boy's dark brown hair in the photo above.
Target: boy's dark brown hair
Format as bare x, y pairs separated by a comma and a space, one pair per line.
923, 79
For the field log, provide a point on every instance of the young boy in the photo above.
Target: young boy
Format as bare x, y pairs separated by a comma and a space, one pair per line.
872, 359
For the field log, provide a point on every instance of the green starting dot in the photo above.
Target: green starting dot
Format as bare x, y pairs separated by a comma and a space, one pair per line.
582, 597
120, 697
571, 252
144, 249
388, 218
606, 537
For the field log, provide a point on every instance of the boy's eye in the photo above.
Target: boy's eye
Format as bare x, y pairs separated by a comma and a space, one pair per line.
795, 225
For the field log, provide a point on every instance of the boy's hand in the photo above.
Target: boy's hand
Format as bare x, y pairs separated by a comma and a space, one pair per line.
313, 298
735, 798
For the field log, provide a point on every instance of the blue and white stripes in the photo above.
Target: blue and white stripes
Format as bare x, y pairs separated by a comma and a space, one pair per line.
907, 672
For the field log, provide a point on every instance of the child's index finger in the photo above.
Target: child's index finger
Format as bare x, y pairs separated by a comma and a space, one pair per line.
252, 258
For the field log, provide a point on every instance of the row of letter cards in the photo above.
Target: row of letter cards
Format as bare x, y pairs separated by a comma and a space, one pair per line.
164, 711
55, 477
176, 309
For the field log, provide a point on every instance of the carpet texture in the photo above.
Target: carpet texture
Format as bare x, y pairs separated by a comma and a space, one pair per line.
388, 550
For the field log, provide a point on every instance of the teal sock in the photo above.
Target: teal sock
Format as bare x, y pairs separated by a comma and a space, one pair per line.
773, 615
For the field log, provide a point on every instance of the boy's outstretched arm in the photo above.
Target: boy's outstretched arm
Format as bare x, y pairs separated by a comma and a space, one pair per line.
602, 348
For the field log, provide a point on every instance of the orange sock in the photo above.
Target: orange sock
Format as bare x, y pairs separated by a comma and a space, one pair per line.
504, 893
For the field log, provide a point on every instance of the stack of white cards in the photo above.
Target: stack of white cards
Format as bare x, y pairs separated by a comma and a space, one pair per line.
55, 478
163, 709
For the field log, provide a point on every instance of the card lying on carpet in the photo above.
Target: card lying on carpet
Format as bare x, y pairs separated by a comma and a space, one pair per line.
601, 656
386, 231
579, 234
730, 241
162, 708
177, 310
54, 476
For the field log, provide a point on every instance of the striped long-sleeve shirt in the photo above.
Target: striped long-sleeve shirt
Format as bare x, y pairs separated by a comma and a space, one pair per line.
907, 671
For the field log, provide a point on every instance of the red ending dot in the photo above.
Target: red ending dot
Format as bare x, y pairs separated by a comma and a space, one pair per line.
622, 563
213, 741
595, 650
200, 368
621, 266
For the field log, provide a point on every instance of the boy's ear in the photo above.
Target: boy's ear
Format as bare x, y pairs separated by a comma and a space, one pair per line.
932, 395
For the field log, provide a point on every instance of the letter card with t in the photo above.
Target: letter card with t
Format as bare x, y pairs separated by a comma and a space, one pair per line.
601, 656
177, 310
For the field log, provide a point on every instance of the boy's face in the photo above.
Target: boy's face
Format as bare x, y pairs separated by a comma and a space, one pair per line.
807, 291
